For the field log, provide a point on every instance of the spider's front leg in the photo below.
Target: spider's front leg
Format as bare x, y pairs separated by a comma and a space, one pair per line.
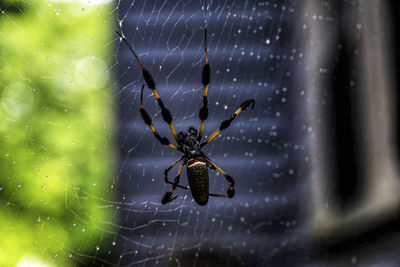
225, 124
146, 118
168, 196
203, 113
166, 114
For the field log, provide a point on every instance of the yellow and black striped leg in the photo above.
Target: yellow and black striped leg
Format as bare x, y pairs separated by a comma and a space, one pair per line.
169, 168
166, 114
231, 190
168, 196
225, 124
147, 120
203, 113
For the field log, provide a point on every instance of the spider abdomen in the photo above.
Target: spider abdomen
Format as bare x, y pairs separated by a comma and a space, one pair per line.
198, 180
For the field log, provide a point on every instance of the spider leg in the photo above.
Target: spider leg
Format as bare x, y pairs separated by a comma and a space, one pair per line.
169, 168
146, 118
231, 190
168, 195
225, 124
203, 113
166, 114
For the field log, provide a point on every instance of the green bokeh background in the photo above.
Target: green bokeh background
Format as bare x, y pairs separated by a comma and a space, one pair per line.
57, 158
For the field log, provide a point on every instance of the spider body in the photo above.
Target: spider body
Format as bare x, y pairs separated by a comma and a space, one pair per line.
189, 143
198, 179
196, 163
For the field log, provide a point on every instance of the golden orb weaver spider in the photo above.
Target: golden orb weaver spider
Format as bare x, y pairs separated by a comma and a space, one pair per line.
189, 143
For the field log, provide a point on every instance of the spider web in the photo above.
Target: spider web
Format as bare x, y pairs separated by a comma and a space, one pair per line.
118, 219
252, 55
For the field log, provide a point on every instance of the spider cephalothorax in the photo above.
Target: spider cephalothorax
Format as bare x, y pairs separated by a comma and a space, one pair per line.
189, 143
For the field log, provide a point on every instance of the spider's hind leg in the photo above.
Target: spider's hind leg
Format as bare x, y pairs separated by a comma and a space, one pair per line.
231, 190
168, 169
168, 195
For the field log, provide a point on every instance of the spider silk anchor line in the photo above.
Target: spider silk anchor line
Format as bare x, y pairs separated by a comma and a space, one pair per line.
189, 143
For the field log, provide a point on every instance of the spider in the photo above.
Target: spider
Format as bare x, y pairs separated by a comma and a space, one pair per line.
189, 143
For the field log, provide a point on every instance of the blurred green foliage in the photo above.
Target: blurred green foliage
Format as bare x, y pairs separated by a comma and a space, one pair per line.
56, 131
